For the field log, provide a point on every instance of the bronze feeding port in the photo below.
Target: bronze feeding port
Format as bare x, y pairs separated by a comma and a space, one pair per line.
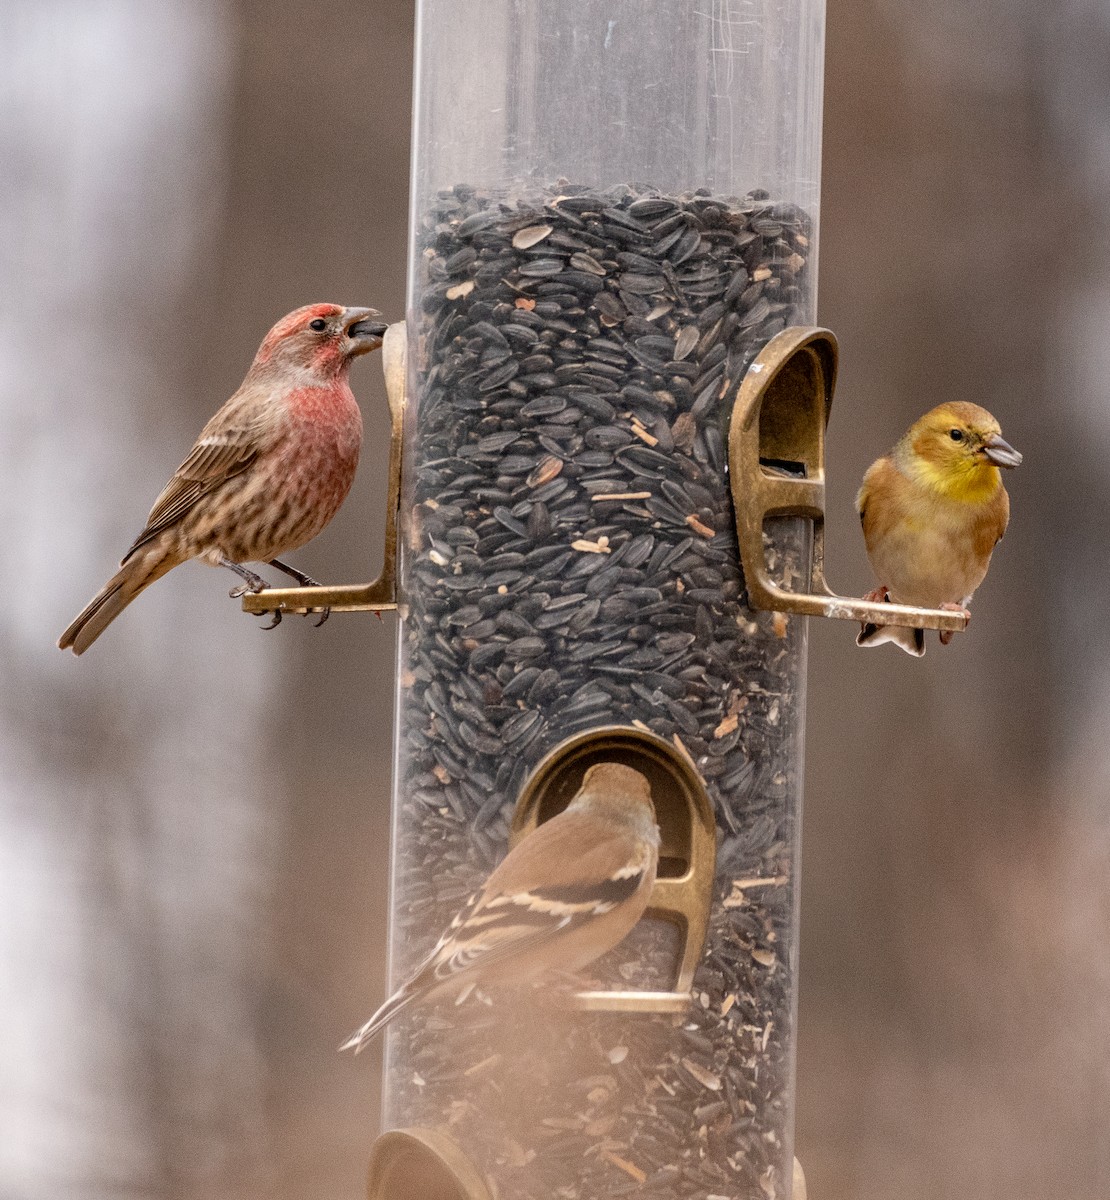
422, 1164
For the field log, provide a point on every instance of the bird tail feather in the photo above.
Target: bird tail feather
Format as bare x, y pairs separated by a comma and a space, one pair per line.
910, 640
134, 576
362, 1037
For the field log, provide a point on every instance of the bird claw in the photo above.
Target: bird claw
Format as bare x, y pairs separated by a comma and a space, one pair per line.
878, 595
237, 593
276, 615
946, 635
254, 585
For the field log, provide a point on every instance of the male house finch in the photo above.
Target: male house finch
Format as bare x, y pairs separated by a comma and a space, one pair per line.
570, 891
268, 471
932, 511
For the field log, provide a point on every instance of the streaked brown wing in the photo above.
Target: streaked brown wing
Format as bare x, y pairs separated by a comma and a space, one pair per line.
214, 459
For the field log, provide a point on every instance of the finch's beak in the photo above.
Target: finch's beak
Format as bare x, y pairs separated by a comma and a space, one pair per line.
365, 329
1000, 452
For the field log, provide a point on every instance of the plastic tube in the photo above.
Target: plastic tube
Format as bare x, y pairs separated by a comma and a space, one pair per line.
614, 206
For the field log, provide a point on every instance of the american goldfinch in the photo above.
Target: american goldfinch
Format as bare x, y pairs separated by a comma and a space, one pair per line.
933, 510
268, 471
570, 891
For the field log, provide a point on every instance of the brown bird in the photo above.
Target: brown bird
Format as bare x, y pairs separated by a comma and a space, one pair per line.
268, 471
570, 891
933, 510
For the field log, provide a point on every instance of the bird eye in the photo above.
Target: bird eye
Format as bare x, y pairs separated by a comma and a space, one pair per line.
318, 324
957, 435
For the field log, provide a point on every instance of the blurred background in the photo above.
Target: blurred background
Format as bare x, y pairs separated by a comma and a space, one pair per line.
193, 818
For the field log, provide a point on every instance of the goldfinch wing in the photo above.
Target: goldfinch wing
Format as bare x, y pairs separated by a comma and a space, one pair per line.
878, 501
1000, 516
563, 875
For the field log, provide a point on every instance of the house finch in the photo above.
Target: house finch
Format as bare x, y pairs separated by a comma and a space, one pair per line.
570, 891
932, 511
268, 471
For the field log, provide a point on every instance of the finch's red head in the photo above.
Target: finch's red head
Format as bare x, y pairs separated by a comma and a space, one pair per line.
321, 338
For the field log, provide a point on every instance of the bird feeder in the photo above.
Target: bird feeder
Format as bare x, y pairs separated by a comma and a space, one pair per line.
611, 522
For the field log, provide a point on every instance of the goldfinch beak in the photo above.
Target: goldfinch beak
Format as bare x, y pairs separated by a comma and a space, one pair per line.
1000, 452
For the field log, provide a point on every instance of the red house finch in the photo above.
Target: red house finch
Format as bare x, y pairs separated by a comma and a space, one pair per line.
268, 471
933, 510
570, 891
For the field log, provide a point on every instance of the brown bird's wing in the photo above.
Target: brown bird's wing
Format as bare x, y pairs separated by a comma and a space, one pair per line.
541, 892
880, 502
990, 524
1000, 513
572, 849
874, 480
227, 446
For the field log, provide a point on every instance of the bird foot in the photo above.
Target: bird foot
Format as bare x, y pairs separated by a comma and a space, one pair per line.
305, 581
879, 595
251, 582
946, 635
276, 615
254, 584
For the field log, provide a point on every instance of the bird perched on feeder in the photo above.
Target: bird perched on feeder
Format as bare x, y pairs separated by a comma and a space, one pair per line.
268, 471
933, 510
568, 892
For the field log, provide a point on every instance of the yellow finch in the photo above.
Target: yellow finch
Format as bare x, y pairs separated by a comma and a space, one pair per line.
933, 510
570, 891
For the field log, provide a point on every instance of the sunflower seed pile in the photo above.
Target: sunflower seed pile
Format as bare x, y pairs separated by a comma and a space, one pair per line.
571, 562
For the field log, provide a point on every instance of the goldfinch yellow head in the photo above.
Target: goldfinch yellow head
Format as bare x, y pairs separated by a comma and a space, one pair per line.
957, 447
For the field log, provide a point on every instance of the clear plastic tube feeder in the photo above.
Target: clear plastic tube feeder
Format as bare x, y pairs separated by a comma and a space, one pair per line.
614, 210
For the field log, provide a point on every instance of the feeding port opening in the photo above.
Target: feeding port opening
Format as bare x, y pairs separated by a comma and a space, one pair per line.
422, 1164
794, 412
